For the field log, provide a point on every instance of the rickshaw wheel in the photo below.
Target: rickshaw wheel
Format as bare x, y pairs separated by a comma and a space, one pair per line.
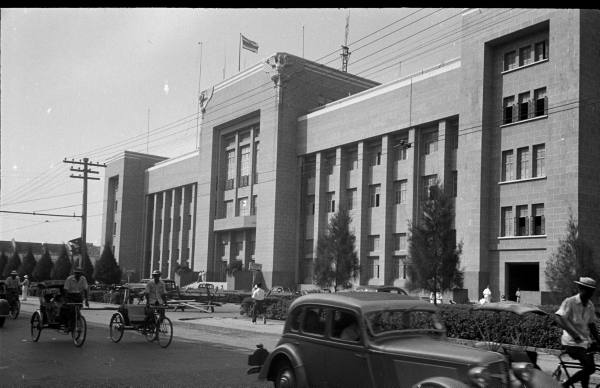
151, 330
80, 331
13, 313
116, 327
165, 332
36, 326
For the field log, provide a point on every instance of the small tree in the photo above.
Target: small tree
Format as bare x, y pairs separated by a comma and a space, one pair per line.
3, 261
107, 270
62, 267
13, 264
337, 263
28, 264
433, 252
572, 259
88, 269
43, 268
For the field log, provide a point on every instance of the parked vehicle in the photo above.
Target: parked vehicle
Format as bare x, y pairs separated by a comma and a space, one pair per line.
170, 285
384, 339
389, 289
200, 292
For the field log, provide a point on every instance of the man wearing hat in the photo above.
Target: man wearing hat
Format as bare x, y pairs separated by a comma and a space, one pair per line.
576, 316
25, 287
12, 287
155, 293
76, 287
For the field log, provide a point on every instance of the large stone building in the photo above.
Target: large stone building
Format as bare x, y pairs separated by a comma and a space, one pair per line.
510, 127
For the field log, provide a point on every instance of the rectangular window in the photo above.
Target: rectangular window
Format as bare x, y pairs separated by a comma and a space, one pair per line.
510, 60
525, 56
507, 221
541, 102
256, 154
430, 142
524, 102
243, 206
399, 241
522, 228
375, 156
329, 163
352, 160
400, 192
507, 165
351, 198
508, 109
539, 154
428, 182
228, 209
523, 163
310, 205
374, 242
331, 202
244, 166
454, 183
374, 267
540, 51
400, 149
538, 227
374, 191
230, 174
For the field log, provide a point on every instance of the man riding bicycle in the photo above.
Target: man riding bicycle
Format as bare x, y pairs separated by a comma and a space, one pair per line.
576, 316
12, 288
76, 291
155, 294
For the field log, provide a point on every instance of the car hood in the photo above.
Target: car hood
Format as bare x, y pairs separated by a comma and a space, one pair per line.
435, 349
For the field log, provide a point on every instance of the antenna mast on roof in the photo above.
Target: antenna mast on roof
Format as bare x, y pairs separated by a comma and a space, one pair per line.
345, 51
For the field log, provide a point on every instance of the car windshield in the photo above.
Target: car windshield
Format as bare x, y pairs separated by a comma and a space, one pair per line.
395, 321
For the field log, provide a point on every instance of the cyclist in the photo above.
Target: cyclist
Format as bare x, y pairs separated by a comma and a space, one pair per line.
12, 288
576, 316
155, 294
76, 291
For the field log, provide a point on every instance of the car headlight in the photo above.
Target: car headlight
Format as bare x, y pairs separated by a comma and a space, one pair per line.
480, 375
523, 370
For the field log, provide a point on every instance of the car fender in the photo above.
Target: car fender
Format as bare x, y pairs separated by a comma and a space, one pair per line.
290, 352
440, 382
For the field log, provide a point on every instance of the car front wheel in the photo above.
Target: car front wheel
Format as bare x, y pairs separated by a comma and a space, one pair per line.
285, 376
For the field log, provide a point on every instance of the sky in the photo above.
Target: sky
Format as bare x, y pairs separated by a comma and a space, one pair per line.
94, 82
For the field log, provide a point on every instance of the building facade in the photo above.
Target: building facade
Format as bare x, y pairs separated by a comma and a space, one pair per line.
509, 128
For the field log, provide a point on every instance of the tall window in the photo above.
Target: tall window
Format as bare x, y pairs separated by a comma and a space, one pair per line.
507, 165
525, 56
374, 267
430, 142
244, 166
507, 221
256, 154
539, 164
374, 242
524, 101
329, 163
400, 149
510, 60
541, 102
428, 182
522, 227
230, 155
228, 210
398, 267
508, 109
374, 191
351, 198
399, 241
353, 159
538, 227
454, 183
375, 155
331, 202
523, 163
243, 206
540, 51
400, 192
253, 205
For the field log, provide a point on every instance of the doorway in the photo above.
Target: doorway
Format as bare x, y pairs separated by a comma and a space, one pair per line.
525, 276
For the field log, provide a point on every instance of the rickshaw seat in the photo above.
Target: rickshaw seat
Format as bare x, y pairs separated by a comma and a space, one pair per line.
136, 312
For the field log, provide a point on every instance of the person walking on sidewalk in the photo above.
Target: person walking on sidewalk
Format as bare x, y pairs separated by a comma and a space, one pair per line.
25, 287
258, 297
576, 316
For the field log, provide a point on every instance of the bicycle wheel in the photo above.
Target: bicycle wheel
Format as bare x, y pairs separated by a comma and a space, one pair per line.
116, 327
164, 334
36, 326
151, 331
79, 331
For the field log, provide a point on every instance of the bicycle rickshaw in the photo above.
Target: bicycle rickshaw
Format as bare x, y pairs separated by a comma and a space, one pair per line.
133, 317
58, 311
11, 306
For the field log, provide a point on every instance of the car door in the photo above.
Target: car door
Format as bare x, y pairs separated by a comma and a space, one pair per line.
311, 343
346, 357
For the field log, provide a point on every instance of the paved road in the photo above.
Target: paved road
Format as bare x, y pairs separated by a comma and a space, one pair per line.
195, 358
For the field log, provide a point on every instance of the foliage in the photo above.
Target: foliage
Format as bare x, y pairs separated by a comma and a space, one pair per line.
275, 307
13, 264
88, 269
43, 268
234, 266
28, 264
572, 259
3, 261
62, 267
433, 252
107, 270
337, 263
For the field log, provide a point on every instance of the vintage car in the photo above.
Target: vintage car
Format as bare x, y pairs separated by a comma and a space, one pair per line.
200, 292
371, 339
390, 289
170, 285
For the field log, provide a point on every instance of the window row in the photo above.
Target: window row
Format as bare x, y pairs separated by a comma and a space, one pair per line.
525, 108
398, 270
523, 168
244, 207
518, 222
526, 55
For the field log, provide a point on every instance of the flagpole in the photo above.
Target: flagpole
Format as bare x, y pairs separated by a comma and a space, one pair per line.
240, 54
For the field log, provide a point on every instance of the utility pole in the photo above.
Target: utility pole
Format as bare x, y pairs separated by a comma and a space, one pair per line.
345, 50
85, 170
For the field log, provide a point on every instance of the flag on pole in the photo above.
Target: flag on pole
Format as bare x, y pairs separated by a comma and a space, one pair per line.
249, 44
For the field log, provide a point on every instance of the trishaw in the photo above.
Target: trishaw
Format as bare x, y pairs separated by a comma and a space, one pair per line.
9, 304
133, 317
60, 311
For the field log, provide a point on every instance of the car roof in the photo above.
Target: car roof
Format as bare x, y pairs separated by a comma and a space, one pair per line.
510, 307
52, 283
365, 301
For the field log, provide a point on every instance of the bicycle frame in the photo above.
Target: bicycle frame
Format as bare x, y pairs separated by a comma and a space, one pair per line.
565, 365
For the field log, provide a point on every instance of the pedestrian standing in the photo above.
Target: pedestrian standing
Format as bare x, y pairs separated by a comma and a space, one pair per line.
25, 287
518, 295
487, 294
258, 296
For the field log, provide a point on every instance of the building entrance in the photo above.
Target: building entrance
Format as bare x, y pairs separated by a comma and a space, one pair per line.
525, 276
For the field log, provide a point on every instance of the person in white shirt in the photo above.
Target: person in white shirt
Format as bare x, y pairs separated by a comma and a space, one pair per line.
487, 294
258, 296
25, 287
